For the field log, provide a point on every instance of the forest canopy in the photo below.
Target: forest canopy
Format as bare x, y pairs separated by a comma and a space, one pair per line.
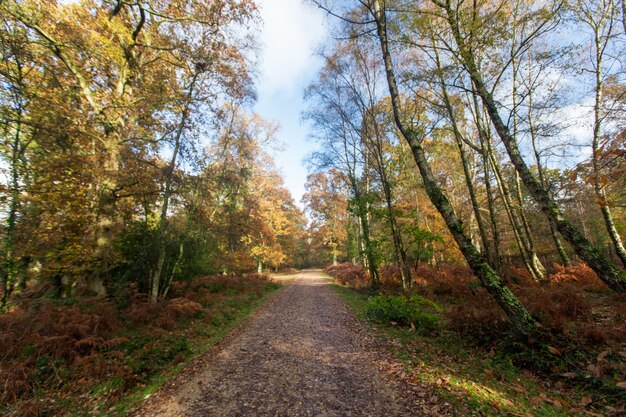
129, 150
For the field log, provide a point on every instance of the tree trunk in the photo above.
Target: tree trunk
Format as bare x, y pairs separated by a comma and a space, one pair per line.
169, 175
466, 171
537, 266
518, 231
608, 272
398, 245
105, 216
371, 264
9, 273
598, 185
515, 310
542, 179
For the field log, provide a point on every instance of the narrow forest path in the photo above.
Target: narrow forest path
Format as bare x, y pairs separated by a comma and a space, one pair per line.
303, 354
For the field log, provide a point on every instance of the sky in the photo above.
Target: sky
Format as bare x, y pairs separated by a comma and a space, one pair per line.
291, 32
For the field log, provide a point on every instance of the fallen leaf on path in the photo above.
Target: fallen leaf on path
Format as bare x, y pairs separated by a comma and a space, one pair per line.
564, 403
586, 401
508, 402
518, 388
554, 351
621, 385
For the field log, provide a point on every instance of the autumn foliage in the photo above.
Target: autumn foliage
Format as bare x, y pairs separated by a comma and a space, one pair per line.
91, 351
576, 317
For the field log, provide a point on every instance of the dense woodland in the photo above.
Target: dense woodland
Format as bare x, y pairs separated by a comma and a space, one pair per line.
462, 144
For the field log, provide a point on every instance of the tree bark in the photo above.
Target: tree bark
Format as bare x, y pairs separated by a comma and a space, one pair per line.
514, 309
598, 185
608, 272
466, 172
169, 175
542, 179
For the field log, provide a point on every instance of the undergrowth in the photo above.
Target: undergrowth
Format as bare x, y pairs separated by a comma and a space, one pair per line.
98, 356
573, 364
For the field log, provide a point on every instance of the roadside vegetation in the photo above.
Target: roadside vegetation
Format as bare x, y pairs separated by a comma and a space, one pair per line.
89, 356
573, 364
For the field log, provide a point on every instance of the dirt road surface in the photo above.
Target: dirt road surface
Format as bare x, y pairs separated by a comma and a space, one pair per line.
302, 354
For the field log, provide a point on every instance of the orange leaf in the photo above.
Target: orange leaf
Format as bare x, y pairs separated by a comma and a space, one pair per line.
519, 388
536, 401
586, 401
508, 402
554, 351
603, 355
564, 403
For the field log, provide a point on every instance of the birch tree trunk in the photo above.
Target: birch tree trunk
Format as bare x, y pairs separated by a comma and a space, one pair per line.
514, 309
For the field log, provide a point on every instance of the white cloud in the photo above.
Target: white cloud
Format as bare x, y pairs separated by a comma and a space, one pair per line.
290, 33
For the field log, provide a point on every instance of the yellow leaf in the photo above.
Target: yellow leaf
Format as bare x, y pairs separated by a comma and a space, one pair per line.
621, 385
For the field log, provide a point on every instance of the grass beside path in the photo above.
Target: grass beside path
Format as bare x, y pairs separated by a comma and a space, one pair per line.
476, 382
102, 357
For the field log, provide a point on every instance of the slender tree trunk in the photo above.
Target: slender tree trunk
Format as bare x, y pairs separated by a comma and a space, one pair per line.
9, 273
536, 264
609, 273
179, 260
518, 233
169, 175
466, 171
515, 310
598, 185
375, 146
624, 15
369, 257
398, 245
542, 179
485, 147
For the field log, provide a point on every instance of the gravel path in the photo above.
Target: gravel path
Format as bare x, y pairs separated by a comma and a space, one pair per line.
303, 354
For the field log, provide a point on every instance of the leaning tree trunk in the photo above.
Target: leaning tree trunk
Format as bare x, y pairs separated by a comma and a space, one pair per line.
466, 171
514, 309
609, 273
398, 244
484, 150
530, 249
169, 176
518, 232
